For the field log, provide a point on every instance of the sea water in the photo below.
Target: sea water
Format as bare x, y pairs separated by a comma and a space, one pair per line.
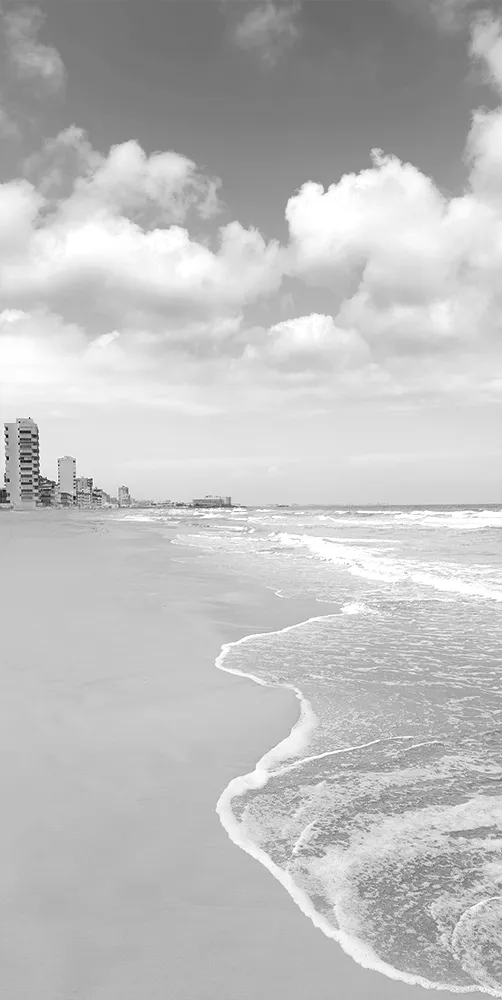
381, 813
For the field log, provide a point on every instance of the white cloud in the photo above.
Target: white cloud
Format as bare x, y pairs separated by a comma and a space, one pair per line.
382, 225
269, 30
311, 342
107, 238
161, 187
108, 298
30, 58
486, 44
412, 270
20, 205
45, 360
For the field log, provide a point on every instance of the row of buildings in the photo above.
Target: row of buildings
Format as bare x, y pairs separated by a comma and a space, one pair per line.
25, 488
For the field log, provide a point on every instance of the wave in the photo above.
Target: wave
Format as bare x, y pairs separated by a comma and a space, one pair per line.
460, 520
138, 517
255, 816
375, 565
357, 608
457, 519
301, 732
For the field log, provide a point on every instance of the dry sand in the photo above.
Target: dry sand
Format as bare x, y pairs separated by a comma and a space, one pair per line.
117, 737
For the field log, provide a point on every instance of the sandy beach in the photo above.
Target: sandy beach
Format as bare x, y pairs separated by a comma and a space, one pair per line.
118, 736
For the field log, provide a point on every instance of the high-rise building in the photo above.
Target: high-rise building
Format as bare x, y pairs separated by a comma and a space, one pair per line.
84, 491
67, 479
22, 462
124, 496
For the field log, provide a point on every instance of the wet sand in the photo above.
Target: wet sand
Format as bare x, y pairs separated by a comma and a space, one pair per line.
117, 737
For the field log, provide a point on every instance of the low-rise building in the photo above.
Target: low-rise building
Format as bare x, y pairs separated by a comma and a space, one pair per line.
124, 496
100, 498
47, 492
211, 501
84, 491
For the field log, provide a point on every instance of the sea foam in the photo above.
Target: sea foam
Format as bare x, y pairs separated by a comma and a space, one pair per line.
290, 755
376, 565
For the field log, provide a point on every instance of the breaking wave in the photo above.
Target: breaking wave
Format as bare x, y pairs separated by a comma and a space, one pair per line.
391, 845
377, 565
381, 812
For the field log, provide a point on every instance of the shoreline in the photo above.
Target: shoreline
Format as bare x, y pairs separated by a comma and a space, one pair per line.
361, 953
119, 736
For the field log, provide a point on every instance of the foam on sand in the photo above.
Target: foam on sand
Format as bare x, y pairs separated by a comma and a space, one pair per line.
357, 608
287, 757
302, 730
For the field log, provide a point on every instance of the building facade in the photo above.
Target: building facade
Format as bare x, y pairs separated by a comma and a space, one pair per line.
22, 462
47, 492
210, 501
84, 491
99, 498
124, 496
67, 480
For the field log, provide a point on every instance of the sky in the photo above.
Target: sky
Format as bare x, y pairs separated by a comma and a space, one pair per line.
255, 249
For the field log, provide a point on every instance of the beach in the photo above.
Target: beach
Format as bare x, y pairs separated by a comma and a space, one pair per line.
118, 737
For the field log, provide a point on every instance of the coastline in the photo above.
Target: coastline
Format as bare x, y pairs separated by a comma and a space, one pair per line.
361, 953
123, 736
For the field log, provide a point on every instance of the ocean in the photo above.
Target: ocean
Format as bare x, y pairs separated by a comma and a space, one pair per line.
381, 812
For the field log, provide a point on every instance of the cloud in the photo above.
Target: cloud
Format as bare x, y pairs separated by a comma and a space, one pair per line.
310, 342
412, 270
45, 360
388, 211
109, 245
109, 298
448, 16
269, 30
30, 71
162, 186
29, 58
486, 44
458, 15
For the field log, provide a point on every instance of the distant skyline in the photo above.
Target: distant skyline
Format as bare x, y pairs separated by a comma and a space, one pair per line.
254, 249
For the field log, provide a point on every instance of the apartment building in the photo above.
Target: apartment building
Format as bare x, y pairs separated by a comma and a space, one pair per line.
22, 462
124, 496
67, 480
84, 491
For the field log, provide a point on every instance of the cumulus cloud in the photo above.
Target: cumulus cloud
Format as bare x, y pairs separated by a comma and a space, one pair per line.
269, 30
411, 269
384, 220
30, 58
44, 360
112, 239
162, 186
311, 342
107, 295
